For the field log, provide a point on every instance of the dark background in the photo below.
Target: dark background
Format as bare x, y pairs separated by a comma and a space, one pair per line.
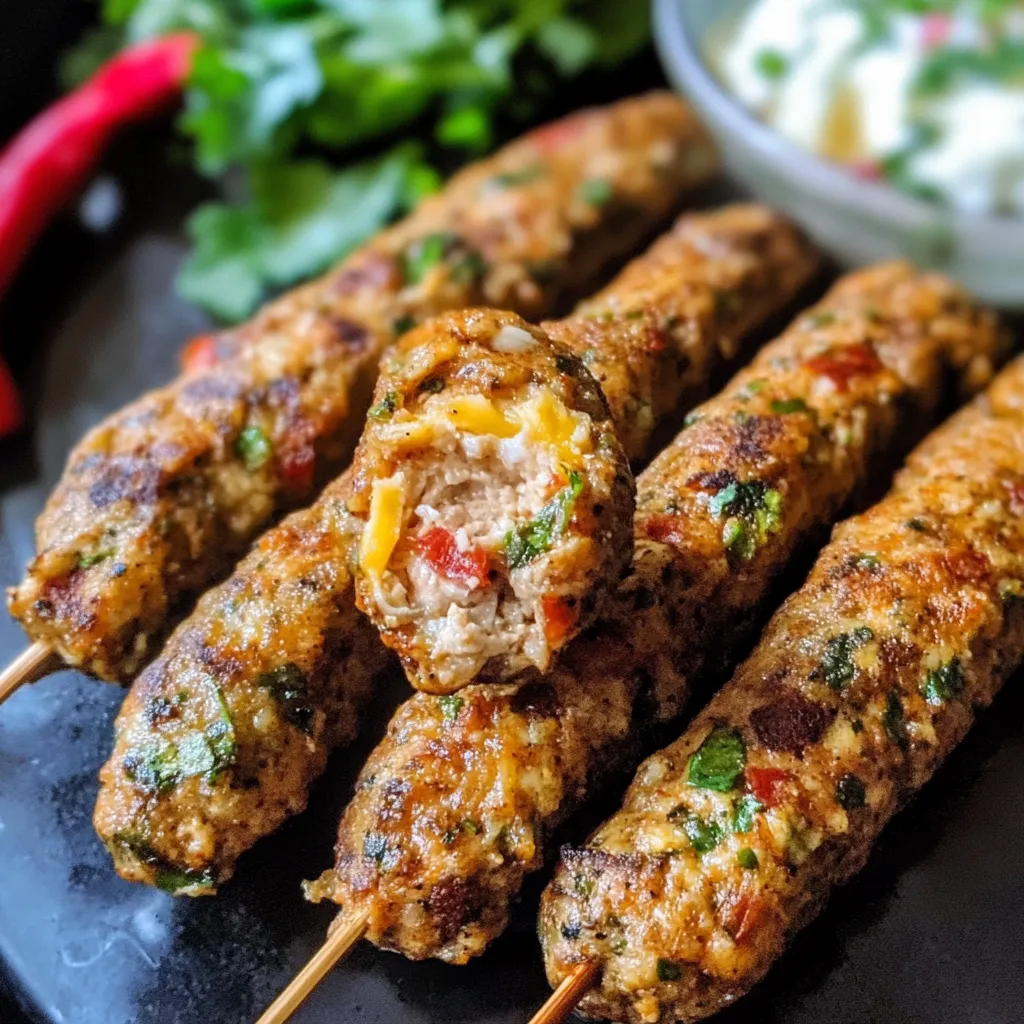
930, 932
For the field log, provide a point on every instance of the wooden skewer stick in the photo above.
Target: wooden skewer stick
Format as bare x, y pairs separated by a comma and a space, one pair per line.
32, 664
338, 943
564, 999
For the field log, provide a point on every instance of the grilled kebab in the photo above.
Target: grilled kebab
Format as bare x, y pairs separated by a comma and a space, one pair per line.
732, 838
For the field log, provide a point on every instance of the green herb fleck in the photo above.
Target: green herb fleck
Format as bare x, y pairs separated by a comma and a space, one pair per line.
743, 814
594, 192
719, 761
894, 721
287, 684
173, 881
754, 512
866, 560
88, 561
385, 407
690, 418
772, 64
584, 886
253, 448
469, 267
153, 766
850, 793
668, 971
704, 834
944, 683
785, 406
450, 836
917, 525
432, 385
525, 542
424, 255
747, 859
836, 667
450, 708
822, 319
470, 826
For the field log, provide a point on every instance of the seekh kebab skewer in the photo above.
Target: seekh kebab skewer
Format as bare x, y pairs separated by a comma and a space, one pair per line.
277, 660
159, 500
732, 838
458, 802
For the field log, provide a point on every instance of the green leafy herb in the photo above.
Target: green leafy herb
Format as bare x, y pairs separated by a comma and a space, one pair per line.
583, 885
719, 761
88, 561
153, 766
894, 721
753, 511
523, 543
667, 970
785, 406
821, 319
944, 683
850, 793
743, 813
836, 668
450, 836
276, 78
288, 686
423, 255
403, 324
865, 560
594, 192
174, 881
470, 826
451, 705
385, 407
772, 64
747, 859
253, 447
704, 834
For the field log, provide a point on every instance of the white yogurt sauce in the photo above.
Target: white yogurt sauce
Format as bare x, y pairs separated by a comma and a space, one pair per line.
849, 80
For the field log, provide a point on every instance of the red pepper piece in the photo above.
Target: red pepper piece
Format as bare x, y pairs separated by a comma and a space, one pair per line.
48, 161
765, 783
440, 551
298, 466
554, 136
842, 365
199, 353
559, 619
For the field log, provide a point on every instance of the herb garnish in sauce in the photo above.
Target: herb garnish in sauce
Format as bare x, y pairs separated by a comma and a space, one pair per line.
719, 761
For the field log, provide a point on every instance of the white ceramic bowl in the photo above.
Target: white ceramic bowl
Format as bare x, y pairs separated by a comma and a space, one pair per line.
856, 221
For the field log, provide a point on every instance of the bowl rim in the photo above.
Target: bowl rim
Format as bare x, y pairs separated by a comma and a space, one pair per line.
680, 54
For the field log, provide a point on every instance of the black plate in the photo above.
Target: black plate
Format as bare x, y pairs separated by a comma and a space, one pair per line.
930, 932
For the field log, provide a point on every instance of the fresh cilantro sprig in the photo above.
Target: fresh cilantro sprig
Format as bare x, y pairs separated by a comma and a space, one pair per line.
284, 91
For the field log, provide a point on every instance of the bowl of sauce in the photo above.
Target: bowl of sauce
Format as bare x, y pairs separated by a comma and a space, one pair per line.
885, 127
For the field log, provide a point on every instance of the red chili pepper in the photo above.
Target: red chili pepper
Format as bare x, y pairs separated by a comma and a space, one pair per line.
441, 552
49, 161
765, 783
844, 364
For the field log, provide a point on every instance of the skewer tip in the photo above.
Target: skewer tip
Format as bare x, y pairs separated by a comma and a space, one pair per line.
564, 999
32, 664
338, 944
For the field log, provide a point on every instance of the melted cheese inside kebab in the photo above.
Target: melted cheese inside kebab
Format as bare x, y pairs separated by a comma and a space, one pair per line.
459, 801
271, 669
498, 501
732, 838
160, 499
